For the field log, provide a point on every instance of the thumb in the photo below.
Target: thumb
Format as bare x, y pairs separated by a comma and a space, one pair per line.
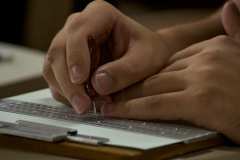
231, 20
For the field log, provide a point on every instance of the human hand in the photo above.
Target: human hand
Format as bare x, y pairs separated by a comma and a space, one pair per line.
231, 18
201, 85
136, 51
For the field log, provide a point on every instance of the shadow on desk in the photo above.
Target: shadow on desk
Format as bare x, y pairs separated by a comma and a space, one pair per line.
23, 72
23, 87
221, 152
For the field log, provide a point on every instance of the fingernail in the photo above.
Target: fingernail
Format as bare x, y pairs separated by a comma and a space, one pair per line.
99, 101
79, 104
107, 108
104, 81
76, 73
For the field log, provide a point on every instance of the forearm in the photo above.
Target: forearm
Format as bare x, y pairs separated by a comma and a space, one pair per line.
183, 35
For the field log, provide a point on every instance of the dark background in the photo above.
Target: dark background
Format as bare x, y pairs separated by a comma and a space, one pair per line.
18, 17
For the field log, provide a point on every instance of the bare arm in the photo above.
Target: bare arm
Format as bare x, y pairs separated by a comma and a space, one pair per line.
183, 35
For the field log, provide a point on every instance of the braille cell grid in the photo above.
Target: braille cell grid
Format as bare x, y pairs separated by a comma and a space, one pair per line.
152, 128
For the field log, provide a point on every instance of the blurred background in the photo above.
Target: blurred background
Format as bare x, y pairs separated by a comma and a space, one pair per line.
34, 23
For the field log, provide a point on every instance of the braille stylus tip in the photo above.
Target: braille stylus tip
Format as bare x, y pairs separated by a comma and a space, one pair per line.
94, 109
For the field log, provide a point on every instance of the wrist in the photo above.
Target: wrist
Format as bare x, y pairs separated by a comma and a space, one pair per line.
170, 37
181, 36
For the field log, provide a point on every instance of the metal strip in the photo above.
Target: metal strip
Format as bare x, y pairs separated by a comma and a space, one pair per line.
153, 128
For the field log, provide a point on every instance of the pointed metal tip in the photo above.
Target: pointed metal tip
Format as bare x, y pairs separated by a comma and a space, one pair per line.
94, 109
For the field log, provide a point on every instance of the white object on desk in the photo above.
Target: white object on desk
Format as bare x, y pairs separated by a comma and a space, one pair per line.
120, 132
5, 57
117, 137
26, 64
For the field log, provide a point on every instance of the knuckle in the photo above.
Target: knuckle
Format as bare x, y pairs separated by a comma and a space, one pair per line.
223, 39
108, 9
71, 17
55, 49
201, 94
99, 3
47, 71
206, 72
212, 55
57, 44
77, 21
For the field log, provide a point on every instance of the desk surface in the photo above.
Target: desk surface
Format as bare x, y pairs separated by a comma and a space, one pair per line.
26, 63
223, 152
23, 73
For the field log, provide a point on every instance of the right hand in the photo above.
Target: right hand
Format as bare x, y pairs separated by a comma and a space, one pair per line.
136, 51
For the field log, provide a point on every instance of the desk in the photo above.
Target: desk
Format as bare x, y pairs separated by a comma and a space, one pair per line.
223, 152
23, 73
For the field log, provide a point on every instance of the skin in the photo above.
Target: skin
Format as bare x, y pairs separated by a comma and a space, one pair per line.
180, 78
122, 44
67, 63
231, 17
200, 85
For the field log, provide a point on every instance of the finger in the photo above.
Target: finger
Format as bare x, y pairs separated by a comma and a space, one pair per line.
89, 23
49, 76
100, 100
58, 45
171, 106
231, 18
177, 65
75, 94
129, 69
188, 52
58, 97
157, 84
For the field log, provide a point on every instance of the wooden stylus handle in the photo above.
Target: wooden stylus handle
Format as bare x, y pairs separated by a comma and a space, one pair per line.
94, 61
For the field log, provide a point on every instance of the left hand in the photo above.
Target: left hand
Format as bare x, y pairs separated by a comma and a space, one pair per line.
200, 85
124, 45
